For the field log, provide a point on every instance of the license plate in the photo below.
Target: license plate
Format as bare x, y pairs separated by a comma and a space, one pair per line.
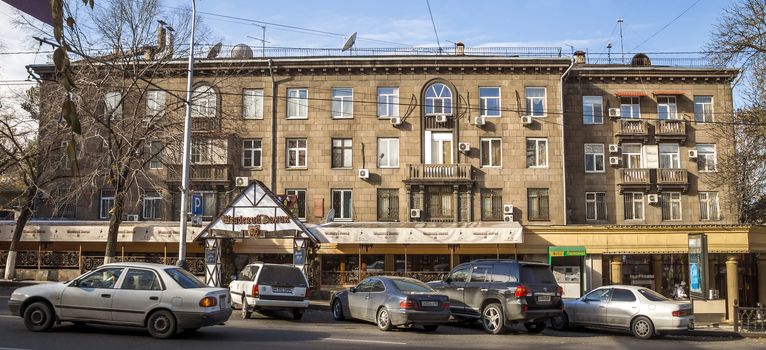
429, 303
282, 290
544, 298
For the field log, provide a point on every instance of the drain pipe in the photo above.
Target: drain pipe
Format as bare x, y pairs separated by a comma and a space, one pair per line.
563, 142
274, 99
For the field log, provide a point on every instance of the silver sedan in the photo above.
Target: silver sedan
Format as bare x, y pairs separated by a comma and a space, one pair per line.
392, 301
642, 311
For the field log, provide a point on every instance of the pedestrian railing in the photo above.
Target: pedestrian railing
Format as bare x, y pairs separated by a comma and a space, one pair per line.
750, 319
339, 278
54, 260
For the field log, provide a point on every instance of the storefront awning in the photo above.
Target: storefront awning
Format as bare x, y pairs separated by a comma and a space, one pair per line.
630, 94
420, 233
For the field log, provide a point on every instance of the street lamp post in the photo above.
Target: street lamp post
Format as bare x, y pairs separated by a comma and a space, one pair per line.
187, 147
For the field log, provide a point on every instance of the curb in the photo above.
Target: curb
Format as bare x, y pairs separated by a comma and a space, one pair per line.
319, 305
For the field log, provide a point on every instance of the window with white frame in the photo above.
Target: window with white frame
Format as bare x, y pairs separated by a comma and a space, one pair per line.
634, 205
630, 107
297, 103
438, 100
666, 107
592, 110
342, 103
204, 102
669, 156
152, 207
155, 102
535, 97
491, 152
252, 151
671, 206
202, 151
706, 157
155, 149
538, 204
709, 210
537, 153
594, 158
252, 103
299, 207
296, 153
113, 105
703, 109
631, 155
388, 153
388, 102
106, 202
342, 153
489, 101
342, 204
595, 206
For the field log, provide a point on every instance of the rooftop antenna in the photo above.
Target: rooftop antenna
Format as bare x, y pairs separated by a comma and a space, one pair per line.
622, 48
609, 52
434, 25
571, 47
349, 44
262, 40
214, 51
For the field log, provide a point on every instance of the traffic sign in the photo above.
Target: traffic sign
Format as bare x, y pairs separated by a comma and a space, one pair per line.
196, 204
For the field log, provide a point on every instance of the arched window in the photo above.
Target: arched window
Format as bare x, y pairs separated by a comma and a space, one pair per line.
438, 99
204, 102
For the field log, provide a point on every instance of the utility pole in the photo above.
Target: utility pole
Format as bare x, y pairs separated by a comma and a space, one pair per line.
622, 48
187, 147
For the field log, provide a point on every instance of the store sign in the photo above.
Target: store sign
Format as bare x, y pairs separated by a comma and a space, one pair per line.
698, 282
510, 233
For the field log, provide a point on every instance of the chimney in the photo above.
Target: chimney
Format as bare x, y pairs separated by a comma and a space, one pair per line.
579, 57
160, 38
459, 48
169, 42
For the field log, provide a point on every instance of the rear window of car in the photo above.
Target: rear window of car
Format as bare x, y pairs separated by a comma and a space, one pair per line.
184, 278
274, 275
536, 274
248, 273
652, 295
410, 285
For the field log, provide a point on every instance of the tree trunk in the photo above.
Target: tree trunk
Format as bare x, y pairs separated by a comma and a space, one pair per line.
114, 227
21, 222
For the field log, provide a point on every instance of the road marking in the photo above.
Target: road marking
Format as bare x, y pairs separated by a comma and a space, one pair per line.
366, 341
8, 316
13, 349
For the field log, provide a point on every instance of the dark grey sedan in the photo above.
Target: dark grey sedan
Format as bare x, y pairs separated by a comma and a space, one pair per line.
391, 302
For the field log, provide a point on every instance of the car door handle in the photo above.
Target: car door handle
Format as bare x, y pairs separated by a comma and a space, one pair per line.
459, 289
367, 297
154, 298
602, 307
106, 295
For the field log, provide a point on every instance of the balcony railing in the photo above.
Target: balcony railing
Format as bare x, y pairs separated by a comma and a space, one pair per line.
431, 123
633, 127
635, 177
439, 172
671, 129
201, 172
672, 178
205, 124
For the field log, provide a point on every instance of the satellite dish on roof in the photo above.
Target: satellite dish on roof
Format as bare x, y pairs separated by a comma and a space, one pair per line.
214, 51
330, 216
349, 43
241, 51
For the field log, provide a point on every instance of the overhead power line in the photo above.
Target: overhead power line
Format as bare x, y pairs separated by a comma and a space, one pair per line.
667, 25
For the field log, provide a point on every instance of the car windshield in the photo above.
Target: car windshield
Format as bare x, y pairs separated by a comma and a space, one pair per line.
410, 285
652, 295
276, 275
184, 278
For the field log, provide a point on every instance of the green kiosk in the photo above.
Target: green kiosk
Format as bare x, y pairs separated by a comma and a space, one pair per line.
568, 264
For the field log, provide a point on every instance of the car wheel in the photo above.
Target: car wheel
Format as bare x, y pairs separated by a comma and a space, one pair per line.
642, 328
245, 312
535, 327
161, 324
431, 328
337, 310
492, 319
384, 320
560, 323
297, 314
38, 317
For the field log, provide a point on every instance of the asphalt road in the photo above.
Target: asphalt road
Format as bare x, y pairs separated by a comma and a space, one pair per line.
317, 330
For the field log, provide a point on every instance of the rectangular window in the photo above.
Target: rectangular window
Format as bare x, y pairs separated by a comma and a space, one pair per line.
209, 203
342, 205
388, 204
703, 109
491, 152
671, 206
155, 102
666, 108
112, 104
634, 205
66, 161
296, 153
630, 107
537, 204
388, 102
106, 204
492, 204
592, 110
489, 101
251, 153
535, 101
299, 207
669, 156
65, 207
152, 208
341, 153
342, 103
594, 158
297, 103
440, 203
595, 206
537, 153
156, 148
709, 210
252, 103
706, 157
388, 153
631, 155
202, 151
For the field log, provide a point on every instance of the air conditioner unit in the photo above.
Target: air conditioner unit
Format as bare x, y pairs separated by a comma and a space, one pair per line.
396, 121
241, 181
652, 198
614, 148
441, 118
464, 147
480, 121
526, 120
508, 217
415, 213
508, 209
614, 112
364, 174
131, 217
692, 154
614, 161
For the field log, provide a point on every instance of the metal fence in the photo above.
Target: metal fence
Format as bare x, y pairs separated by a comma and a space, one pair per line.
275, 52
339, 278
49, 259
750, 319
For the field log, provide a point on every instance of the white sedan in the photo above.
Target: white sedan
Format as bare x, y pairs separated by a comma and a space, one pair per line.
165, 299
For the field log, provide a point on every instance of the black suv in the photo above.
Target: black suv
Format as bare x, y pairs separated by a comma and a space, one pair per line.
499, 292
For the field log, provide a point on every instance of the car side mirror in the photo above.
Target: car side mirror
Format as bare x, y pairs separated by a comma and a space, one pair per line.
74, 283
353, 290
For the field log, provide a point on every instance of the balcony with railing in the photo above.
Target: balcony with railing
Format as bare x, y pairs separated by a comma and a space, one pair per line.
671, 130
633, 129
635, 179
436, 173
205, 124
200, 173
672, 179
431, 123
